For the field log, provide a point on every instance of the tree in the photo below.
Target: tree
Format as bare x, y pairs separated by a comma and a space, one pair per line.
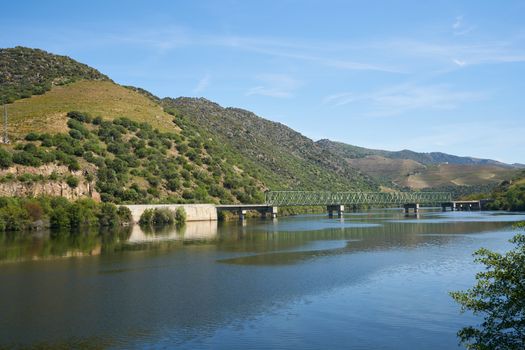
499, 296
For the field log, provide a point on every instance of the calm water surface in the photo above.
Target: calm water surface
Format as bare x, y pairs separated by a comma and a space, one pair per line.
373, 280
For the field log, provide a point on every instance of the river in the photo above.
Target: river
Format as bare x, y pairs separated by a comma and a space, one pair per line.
370, 280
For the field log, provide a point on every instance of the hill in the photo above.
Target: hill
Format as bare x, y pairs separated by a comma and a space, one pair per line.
26, 72
47, 112
154, 152
421, 170
281, 157
510, 195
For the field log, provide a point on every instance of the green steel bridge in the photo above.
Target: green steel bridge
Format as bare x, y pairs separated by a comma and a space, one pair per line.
319, 198
336, 201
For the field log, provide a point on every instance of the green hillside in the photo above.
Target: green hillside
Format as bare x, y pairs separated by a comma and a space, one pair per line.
510, 195
281, 157
125, 147
25, 72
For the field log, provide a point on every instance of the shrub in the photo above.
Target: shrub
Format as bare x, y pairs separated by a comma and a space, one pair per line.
147, 217
124, 214
81, 117
83, 213
6, 159
108, 215
14, 217
180, 216
163, 216
32, 136
76, 134
97, 120
26, 158
72, 181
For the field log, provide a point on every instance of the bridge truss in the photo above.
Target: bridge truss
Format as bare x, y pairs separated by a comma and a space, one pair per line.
313, 198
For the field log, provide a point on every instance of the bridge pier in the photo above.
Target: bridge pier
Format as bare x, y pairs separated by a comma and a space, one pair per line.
414, 206
462, 205
242, 209
339, 208
269, 210
451, 205
242, 214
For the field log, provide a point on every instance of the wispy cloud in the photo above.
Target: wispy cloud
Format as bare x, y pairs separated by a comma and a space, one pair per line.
203, 84
460, 28
406, 97
494, 52
275, 85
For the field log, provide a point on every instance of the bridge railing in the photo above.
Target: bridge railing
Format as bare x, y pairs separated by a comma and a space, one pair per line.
303, 198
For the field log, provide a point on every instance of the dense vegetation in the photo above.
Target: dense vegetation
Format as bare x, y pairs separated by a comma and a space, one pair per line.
277, 155
133, 163
510, 195
17, 214
26, 72
498, 296
168, 150
163, 216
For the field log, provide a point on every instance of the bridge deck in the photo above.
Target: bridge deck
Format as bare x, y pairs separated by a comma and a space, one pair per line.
305, 198
230, 207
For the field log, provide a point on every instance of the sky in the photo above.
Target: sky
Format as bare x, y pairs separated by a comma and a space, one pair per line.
443, 76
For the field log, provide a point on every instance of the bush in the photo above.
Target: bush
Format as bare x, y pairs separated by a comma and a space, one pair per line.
81, 117
147, 217
76, 134
14, 217
108, 215
163, 216
180, 216
6, 159
32, 137
124, 215
72, 181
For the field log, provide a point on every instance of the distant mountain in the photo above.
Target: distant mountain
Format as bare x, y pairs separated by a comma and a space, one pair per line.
421, 170
432, 158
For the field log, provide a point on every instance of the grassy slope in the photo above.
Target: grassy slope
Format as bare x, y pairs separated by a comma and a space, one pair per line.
47, 112
456, 174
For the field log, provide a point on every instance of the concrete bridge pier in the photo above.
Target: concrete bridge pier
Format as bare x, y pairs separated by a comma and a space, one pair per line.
269, 210
242, 214
462, 205
339, 208
408, 206
451, 205
242, 209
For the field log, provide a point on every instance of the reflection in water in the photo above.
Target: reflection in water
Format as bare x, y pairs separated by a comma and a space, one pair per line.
369, 280
192, 231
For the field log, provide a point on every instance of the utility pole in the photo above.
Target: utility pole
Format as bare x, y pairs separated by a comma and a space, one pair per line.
5, 137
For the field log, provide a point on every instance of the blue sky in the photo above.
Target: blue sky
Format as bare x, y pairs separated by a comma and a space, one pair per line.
447, 76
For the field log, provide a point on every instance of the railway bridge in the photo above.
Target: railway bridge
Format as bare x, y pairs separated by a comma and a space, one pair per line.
336, 201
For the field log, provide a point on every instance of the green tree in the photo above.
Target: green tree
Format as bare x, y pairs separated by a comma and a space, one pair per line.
499, 296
